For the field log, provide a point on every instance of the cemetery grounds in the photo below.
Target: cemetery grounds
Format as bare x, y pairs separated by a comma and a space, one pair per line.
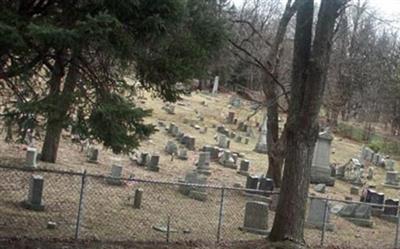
107, 211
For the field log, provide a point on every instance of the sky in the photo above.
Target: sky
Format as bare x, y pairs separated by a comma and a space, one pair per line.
389, 9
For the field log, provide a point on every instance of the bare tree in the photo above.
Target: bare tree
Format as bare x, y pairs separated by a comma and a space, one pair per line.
310, 66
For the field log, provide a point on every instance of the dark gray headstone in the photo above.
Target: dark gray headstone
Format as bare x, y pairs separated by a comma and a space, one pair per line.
391, 210
35, 194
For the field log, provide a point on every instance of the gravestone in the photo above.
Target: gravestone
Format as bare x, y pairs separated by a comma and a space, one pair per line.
153, 162
227, 160
238, 139
320, 188
252, 183
171, 148
182, 154
171, 128
359, 214
246, 140
35, 194
143, 159
221, 129
194, 192
31, 156
354, 190
190, 142
215, 86
370, 173
230, 118
377, 198
256, 218
249, 132
266, 184
244, 167
316, 213
93, 155
169, 108
223, 141
392, 211
389, 165
261, 145
234, 101
137, 198
114, 178
203, 163
320, 170
392, 179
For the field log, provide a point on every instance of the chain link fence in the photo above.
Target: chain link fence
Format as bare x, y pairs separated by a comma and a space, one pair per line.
85, 206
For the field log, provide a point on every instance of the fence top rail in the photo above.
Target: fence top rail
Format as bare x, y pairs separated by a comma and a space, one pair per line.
133, 179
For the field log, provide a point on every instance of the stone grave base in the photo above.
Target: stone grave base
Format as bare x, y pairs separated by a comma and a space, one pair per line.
390, 218
154, 169
206, 172
35, 207
114, 181
361, 222
92, 161
391, 186
322, 175
376, 212
230, 166
329, 226
164, 229
257, 197
243, 173
198, 195
254, 230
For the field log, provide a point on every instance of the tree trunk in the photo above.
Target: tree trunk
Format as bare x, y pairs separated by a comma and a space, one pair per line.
275, 153
308, 82
58, 115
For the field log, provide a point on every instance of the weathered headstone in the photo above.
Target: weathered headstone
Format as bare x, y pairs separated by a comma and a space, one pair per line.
227, 160
359, 214
230, 118
171, 148
153, 164
223, 141
34, 201
320, 170
137, 199
190, 142
256, 218
182, 154
215, 86
392, 179
203, 163
317, 211
354, 190
370, 173
93, 155
389, 165
115, 177
31, 155
261, 146
194, 192
244, 167
320, 188
143, 158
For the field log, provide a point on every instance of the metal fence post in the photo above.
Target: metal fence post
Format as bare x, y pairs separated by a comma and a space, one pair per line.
221, 214
324, 222
396, 240
80, 207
